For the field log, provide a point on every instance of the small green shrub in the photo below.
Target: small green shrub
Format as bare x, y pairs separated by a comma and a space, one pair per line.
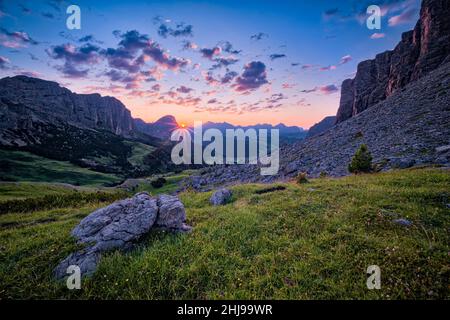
361, 161
158, 183
323, 174
301, 178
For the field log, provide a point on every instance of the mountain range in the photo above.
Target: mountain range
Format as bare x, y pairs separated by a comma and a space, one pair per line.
89, 130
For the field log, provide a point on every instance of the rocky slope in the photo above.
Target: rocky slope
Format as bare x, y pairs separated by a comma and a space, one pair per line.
323, 125
25, 102
420, 51
411, 127
86, 129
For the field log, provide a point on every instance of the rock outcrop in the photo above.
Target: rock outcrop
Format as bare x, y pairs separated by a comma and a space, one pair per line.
120, 225
325, 124
420, 51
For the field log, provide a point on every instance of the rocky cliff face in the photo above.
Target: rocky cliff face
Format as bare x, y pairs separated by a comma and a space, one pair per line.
325, 124
26, 103
420, 51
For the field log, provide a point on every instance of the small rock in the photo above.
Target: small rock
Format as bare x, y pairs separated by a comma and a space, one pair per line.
403, 222
220, 197
442, 148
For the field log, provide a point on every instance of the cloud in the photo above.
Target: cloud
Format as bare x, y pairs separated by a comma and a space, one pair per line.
253, 77
55, 4
377, 35
211, 101
209, 53
74, 58
89, 38
275, 98
181, 30
135, 49
184, 89
24, 9
16, 39
405, 17
277, 56
189, 45
228, 47
330, 13
288, 85
259, 36
4, 63
210, 80
327, 89
224, 62
32, 74
345, 59
156, 87
171, 98
160, 57
228, 77
48, 15
328, 68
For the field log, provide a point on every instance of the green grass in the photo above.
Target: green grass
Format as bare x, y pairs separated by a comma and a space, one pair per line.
25, 166
313, 240
138, 152
171, 186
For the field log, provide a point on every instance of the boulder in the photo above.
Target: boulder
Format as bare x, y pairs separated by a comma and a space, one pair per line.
220, 197
120, 225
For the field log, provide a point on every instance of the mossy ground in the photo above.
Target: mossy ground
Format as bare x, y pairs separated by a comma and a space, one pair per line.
310, 241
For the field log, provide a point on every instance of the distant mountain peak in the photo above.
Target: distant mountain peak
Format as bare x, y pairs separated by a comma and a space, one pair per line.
168, 120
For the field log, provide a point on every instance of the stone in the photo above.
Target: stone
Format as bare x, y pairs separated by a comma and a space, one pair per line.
401, 163
442, 148
402, 222
171, 214
220, 197
120, 225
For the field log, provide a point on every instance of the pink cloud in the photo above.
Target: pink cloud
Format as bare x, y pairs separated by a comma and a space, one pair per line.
346, 59
377, 35
405, 17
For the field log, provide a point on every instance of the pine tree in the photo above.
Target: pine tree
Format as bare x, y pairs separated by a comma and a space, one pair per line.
361, 161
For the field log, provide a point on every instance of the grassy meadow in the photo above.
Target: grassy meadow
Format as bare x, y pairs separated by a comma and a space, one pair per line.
309, 241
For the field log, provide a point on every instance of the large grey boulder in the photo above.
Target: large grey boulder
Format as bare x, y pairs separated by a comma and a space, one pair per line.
120, 225
220, 197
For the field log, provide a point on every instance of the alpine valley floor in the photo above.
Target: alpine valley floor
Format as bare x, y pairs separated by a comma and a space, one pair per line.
309, 241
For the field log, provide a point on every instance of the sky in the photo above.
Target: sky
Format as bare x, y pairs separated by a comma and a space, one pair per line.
237, 61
